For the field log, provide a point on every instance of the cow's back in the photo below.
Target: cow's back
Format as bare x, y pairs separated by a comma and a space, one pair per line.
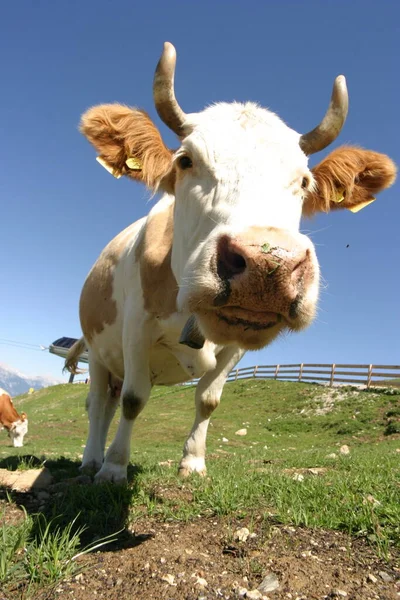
8, 413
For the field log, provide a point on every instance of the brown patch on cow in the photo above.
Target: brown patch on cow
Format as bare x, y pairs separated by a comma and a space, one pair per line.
119, 132
8, 413
352, 172
132, 405
97, 307
153, 253
207, 406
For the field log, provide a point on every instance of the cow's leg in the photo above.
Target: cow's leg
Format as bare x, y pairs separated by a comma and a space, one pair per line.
96, 406
208, 394
134, 395
109, 412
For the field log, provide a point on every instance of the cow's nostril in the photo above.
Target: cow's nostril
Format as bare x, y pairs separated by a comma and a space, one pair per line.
229, 261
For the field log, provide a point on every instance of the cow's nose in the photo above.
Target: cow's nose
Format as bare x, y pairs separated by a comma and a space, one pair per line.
235, 256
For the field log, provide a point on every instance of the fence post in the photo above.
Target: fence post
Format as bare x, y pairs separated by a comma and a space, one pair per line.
71, 378
277, 371
369, 376
237, 373
301, 371
332, 375
255, 371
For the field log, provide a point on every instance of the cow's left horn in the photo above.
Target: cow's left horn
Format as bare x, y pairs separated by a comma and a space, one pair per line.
329, 128
166, 104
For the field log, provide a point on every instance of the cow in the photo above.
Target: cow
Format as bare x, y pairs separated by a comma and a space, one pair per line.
16, 425
218, 266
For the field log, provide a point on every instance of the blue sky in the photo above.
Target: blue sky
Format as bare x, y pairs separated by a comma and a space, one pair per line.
59, 207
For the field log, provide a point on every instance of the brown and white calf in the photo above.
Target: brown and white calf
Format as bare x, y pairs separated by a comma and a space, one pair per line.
16, 425
218, 266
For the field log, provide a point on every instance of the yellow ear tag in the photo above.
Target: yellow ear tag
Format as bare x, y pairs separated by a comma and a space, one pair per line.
339, 197
358, 207
134, 163
108, 167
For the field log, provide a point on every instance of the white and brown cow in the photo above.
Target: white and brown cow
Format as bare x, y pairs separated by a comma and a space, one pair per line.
16, 425
218, 266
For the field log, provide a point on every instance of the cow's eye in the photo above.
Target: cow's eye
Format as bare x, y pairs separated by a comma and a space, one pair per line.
185, 162
305, 183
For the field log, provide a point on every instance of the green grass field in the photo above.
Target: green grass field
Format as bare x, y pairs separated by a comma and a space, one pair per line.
291, 428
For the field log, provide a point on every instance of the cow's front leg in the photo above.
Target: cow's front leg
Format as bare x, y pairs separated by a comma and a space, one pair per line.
134, 396
208, 394
96, 406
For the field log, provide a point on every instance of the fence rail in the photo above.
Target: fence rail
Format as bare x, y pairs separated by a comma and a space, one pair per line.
368, 375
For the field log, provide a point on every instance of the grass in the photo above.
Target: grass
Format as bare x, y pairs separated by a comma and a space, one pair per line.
291, 428
36, 552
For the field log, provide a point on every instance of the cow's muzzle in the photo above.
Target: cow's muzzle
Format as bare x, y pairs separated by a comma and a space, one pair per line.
264, 275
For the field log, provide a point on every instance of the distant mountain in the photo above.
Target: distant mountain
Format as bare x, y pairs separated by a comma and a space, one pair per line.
15, 383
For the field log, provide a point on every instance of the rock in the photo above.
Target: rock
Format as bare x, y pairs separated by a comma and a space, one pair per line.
241, 592
370, 499
242, 534
344, 450
332, 455
241, 431
385, 576
200, 581
224, 439
119, 581
169, 579
269, 583
42, 495
372, 578
254, 595
317, 470
23, 481
298, 477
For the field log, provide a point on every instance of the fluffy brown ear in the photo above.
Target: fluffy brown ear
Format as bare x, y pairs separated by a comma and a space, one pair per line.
129, 144
347, 178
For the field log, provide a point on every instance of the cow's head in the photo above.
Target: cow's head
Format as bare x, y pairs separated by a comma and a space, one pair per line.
241, 184
18, 430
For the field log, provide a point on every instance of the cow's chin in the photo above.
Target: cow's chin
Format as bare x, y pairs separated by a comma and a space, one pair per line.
247, 329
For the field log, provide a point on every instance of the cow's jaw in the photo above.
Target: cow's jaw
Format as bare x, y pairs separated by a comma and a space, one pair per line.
245, 187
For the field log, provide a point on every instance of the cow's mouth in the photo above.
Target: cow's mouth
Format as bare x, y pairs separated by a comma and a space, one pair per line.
248, 319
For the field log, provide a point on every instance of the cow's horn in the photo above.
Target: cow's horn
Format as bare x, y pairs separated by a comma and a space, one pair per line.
329, 128
163, 91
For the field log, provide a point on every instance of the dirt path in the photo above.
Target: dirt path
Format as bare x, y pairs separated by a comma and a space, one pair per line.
203, 560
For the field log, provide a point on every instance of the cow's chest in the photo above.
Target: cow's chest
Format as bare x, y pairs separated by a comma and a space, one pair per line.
171, 362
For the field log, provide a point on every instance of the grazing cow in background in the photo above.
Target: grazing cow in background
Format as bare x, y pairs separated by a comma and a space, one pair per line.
218, 266
16, 425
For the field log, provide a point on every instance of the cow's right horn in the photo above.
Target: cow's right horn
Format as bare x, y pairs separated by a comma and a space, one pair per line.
166, 104
329, 128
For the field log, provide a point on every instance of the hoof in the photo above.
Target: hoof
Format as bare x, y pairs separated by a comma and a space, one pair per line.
90, 468
186, 472
110, 473
190, 465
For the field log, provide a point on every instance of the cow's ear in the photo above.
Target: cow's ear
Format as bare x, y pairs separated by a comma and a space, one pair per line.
129, 144
349, 177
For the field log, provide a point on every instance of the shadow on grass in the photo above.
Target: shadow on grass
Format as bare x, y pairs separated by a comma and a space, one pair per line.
97, 511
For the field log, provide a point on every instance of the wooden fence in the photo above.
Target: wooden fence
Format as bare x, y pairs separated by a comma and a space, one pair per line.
365, 375
368, 375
